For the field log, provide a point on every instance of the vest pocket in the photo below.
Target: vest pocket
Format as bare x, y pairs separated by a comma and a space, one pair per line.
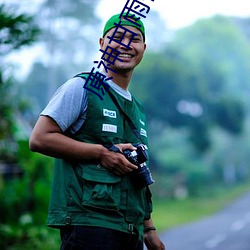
101, 188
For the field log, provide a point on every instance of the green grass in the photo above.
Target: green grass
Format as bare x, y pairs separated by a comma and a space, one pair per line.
167, 214
170, 213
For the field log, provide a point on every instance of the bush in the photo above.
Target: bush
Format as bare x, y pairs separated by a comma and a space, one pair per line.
24, 204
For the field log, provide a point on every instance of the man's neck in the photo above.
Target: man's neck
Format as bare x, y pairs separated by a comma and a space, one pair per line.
121, 79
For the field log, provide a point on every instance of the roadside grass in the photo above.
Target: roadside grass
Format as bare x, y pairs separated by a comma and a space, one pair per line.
170, 213
167, 214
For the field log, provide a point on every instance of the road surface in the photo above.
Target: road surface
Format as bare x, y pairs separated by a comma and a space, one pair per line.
227, 230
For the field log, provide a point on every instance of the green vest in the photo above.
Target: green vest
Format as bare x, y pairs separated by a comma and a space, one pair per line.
86, 193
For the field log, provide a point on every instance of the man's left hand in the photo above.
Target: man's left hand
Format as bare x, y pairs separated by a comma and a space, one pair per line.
152, 241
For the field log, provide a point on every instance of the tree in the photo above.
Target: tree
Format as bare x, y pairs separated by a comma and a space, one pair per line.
68, 29
195, 92
193, 74
69, 32
16, 31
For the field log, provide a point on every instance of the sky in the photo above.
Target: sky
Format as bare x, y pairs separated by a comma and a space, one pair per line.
175, 13
181, 13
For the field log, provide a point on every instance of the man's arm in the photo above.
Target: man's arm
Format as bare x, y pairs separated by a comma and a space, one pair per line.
151, 239
47, 138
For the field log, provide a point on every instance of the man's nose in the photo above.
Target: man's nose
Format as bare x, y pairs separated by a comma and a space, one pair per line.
125, 43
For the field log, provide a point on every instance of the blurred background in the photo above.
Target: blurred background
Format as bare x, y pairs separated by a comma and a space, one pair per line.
194, 82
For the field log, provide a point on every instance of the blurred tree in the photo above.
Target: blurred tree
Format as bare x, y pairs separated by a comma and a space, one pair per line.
23, 201
69, 32
16, 31
197, 85
38, 79
229, 114
193, 75
7, 105
220, 50
68, 28
244, 25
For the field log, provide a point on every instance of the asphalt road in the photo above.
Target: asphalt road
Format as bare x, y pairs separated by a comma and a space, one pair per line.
227, 230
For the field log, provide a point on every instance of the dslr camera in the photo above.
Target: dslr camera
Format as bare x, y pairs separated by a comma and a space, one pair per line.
142, 176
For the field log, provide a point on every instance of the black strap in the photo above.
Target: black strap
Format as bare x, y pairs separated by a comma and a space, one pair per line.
112, 147
126, 117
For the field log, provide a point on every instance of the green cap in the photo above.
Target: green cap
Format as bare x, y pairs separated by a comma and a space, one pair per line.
110, 24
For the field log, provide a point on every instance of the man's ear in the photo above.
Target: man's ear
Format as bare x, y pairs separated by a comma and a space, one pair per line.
101, 41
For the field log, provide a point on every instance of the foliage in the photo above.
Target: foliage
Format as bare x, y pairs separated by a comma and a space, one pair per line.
219, 49
170, 213
24, 202
229, 113
191, 87
36, 81
243, 24
67, 48
8, 106
15, 30
195, 91
67, 44
24, 235
31, 192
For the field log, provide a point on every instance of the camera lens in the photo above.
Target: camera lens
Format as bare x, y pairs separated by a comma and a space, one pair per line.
144, 177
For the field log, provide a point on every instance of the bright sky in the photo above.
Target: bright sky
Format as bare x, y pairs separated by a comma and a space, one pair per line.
180, 13
175, 13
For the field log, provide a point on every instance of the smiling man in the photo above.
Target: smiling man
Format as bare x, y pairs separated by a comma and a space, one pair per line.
130, 49
95, 198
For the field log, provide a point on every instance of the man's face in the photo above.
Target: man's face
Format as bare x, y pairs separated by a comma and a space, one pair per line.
130, 57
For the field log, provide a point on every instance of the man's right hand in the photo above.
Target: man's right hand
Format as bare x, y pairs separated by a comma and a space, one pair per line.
115, 162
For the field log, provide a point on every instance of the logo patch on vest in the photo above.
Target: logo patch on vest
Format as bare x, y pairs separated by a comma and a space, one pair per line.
143, 132
109, 128
142, 122
109, 113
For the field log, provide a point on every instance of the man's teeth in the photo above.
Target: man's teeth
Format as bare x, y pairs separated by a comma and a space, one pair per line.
125, 56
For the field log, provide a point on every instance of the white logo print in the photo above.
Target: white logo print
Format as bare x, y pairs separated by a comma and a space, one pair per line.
109, 128
143, 132
142, 122
109, 113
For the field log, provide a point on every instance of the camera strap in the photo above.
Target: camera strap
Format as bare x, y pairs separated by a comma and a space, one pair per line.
126, 117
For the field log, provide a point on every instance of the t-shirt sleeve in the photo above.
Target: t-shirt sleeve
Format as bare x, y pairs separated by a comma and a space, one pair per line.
68, 105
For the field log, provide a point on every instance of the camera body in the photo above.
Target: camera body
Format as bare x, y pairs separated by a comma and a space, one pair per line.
142, 177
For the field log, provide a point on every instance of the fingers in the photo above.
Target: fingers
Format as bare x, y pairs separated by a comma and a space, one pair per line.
119, 170
121, 165
124, 146
117, 163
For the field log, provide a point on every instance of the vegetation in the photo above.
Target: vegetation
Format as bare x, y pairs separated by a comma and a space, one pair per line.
68, 47
195, 90
171, 213
197, 103
14, 34
24, 205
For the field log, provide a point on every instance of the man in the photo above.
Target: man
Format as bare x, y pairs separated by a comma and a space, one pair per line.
95, 202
